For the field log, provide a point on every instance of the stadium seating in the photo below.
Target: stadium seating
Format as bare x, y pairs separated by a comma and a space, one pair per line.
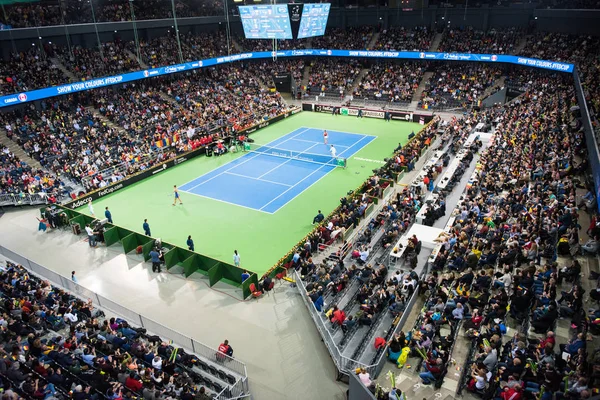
29, 70
62, 346
458, 85
77, 12
88, 63
389, 82
402, 39
332, 77
469, 40
351, 38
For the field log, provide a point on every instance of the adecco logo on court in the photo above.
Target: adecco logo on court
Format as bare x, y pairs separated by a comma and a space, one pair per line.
80, 203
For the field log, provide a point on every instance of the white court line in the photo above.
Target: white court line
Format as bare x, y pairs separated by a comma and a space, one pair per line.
233, 204
289, 201
330, 130
237, 165
312, 141
258, 179
287, 161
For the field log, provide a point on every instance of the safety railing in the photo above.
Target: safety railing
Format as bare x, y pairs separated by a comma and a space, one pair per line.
24, 199
238, 390
346, 365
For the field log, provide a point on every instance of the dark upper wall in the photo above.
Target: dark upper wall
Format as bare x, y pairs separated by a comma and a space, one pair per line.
568, 21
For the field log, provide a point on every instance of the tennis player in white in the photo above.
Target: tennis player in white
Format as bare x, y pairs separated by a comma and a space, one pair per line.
333, 151
91, 209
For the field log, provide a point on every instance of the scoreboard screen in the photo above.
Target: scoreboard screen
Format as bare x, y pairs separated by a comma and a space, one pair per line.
266, 21
314, 20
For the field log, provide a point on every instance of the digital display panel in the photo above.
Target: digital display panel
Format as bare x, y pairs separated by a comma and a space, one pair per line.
266, 21
314, 20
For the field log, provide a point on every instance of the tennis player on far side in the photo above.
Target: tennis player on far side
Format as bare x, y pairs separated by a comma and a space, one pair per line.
176, 193
325, 136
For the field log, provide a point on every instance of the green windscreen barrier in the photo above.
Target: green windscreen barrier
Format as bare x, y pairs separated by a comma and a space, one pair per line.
206, 263
189, 260
78, 220
171, 258
146, 248
233, 274
111, 236
129, 243
190, 265
215, 274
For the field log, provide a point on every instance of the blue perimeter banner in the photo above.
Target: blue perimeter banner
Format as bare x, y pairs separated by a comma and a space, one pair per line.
40, 94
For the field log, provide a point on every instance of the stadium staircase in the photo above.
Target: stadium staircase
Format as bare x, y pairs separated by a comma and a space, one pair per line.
427, 76
105, 120
519, 48
17, 150
64, 70
417, 96
237, 46
373, 41
306, 75
134, 57
363, 72
493, 88
435, 43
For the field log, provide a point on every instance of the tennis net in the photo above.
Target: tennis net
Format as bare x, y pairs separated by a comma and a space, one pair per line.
296, 155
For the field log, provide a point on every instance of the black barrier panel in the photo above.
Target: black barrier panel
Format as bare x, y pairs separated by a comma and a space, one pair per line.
422, 119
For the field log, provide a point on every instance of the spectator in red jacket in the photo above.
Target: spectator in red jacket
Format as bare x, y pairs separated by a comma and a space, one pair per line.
512, 393
339, 316
132, 383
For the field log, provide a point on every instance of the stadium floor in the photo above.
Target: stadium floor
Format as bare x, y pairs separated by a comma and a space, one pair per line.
261, 238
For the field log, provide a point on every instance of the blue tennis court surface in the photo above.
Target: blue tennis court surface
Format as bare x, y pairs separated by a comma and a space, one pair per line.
266, 182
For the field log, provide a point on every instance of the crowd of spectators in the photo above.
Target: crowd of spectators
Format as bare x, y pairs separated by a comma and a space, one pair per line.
267, 45
401, 39
21, 15
390, 82
88, 63
164, 50
520, 208
18, 178
458, 85
350, 38
68, 139
560, 47
470, 40
332, 76
56, 346
28, 70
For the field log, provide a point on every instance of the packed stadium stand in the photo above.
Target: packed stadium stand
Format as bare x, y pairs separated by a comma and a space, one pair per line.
464, 265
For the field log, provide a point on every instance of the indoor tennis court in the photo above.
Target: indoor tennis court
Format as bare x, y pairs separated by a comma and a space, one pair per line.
219, 225
269, 176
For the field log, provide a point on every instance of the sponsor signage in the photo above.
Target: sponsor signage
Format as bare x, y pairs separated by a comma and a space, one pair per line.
81, 201
366, 112
39, 94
